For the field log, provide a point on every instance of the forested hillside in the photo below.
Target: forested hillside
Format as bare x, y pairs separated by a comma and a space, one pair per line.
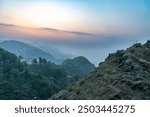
40, 80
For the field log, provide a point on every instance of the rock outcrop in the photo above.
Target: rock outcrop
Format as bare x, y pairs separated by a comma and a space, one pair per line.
125, 75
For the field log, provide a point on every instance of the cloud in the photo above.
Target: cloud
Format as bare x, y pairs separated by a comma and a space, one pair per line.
2, 24
62, 38
42, 33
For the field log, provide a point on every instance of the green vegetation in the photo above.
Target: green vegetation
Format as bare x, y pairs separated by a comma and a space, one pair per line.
40, 80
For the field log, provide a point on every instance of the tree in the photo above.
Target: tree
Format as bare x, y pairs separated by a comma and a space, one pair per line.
34, 61
20, 57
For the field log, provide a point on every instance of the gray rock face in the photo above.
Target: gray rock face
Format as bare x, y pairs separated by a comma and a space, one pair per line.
125, 75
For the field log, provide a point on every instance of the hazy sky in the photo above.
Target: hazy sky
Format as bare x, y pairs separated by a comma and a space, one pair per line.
115, 17
118, 24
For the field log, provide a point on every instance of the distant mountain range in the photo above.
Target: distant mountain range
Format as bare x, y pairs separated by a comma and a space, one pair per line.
27, 51
61, 44
54, 51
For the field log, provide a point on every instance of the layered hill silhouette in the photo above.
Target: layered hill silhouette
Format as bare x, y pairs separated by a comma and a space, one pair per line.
27, 51
124, 75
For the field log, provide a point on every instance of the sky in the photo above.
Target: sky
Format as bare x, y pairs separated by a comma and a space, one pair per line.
115, 23
94, 16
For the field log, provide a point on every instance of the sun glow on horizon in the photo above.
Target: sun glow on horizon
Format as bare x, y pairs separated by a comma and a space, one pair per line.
50, 15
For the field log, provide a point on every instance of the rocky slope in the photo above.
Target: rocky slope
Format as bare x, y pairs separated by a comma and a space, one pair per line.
124, 75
